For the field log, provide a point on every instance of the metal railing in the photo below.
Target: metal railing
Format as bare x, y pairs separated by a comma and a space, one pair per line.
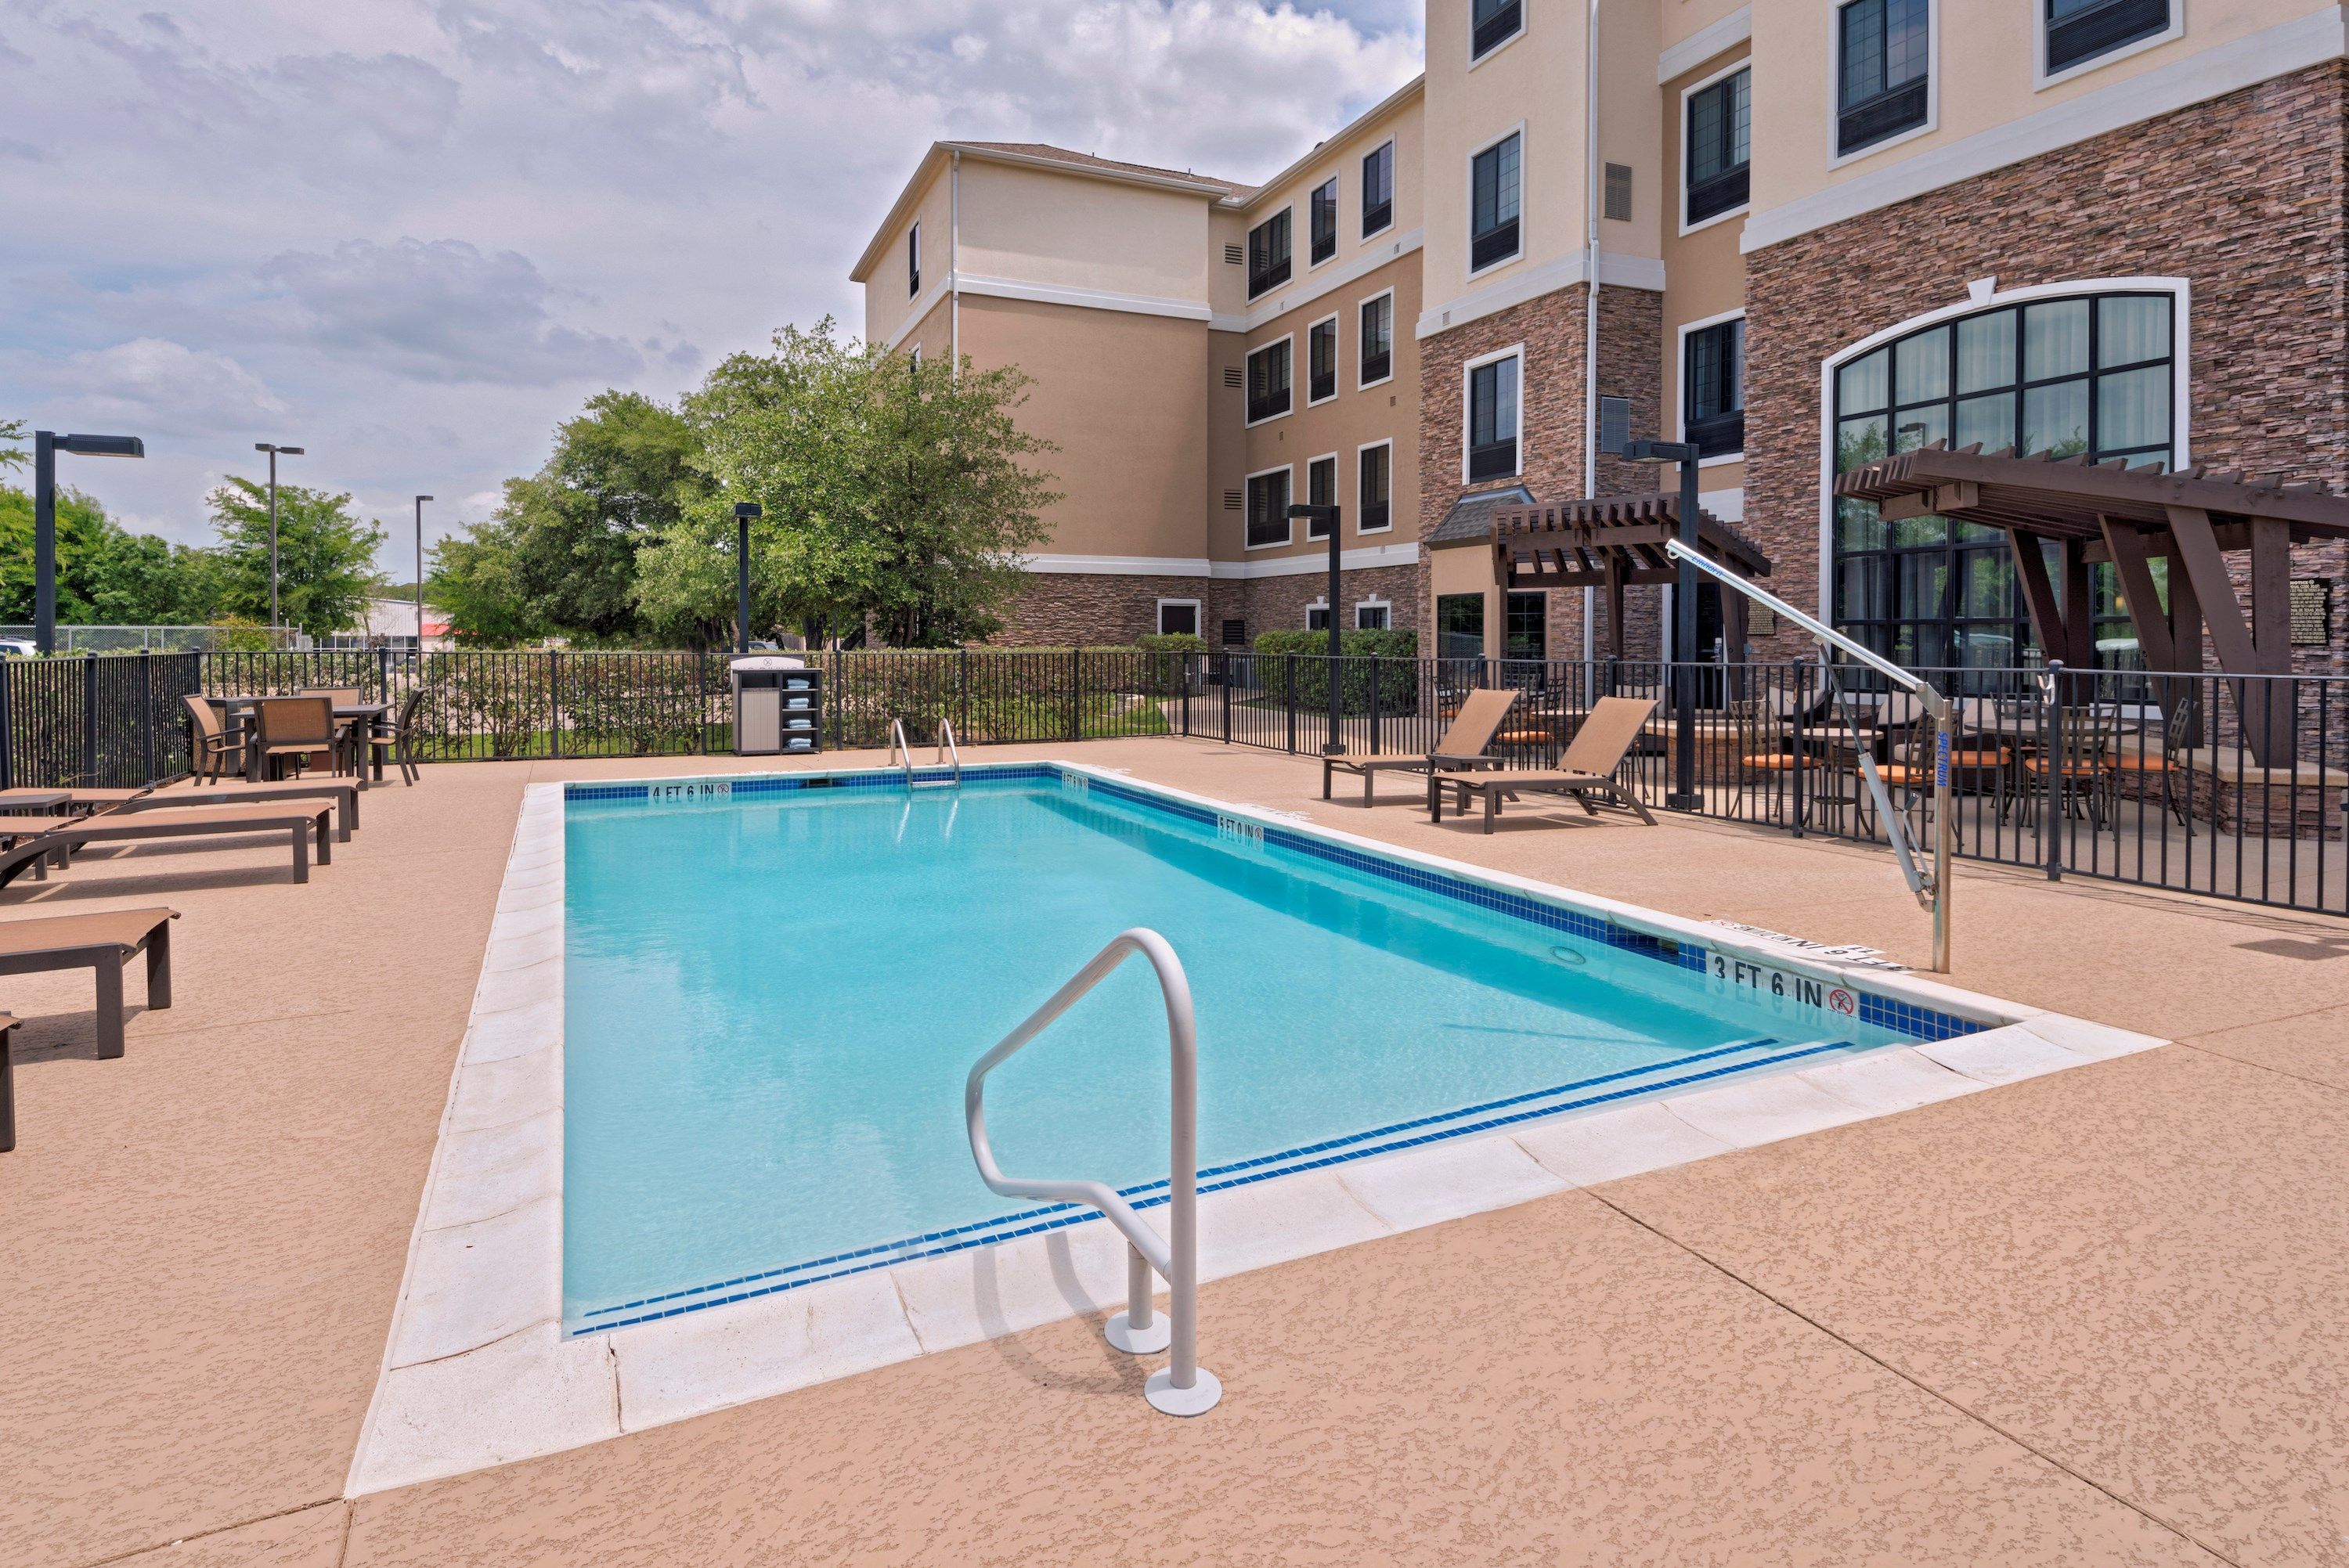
948, 753
112, 721
1183, 1388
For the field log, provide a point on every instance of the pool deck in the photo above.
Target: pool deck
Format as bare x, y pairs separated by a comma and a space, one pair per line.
2097, 1316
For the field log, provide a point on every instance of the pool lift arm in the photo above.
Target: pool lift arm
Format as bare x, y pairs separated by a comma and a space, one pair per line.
1932, 889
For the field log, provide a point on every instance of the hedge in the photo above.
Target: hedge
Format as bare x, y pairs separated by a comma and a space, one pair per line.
1398, 653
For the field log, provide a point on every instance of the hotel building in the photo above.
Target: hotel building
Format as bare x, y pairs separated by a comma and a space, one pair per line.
1798, 235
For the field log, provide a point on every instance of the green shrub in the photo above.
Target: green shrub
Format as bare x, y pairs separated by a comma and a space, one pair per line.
1397, 653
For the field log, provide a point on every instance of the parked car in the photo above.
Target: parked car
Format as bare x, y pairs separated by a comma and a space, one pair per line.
17, 649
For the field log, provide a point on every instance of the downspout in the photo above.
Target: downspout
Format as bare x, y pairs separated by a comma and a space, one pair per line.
954, 269
1590, 301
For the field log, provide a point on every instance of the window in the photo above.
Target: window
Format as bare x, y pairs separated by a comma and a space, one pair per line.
1317, 615
1320, 489
1492, 24
1370, 615
2080, 30
916, 358
1325, 220
1268, 509
1378, 190
1378, 339
1493, 204
1178, 617
1322, 361
1268, 254
1882, 47
1268, 382
2089, 375
1373, 483
1460, 626
1528, 627
1720, 124
1712, 387
1493, 419
913, 261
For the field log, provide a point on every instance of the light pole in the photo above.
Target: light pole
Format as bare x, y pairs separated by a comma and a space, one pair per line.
419, 583
272, 449
1682, 796
1312, 513
744, 511
47, 444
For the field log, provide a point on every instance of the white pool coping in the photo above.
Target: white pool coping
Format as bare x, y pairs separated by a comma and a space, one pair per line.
477, 1370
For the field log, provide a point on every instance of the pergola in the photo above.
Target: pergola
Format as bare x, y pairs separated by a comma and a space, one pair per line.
1612, 543
2109, 511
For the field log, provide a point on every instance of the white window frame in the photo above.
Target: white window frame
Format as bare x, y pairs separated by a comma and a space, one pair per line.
1198, 617
1388, 442
1468, 185
1745, 207
915, 357
1467, 370
1680, 382
1287, 522
1524, 22
2040, 81
1374, 603
1991, 297
1322, 605
1338, 178
1390, 145
914, 260
1247, 380
1248, 234
1337, 371
1394, 338
1337, 492
1935, 59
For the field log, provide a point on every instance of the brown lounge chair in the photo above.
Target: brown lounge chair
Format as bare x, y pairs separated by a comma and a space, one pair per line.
103, 942
1463, 745
1587, 768
299, 821
343, 792
7, 1087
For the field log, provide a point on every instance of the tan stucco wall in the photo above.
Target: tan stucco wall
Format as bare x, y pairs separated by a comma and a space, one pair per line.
1341, 157
1466, 568
1985, 53
1704, 271
887, 305
1039, 226
1124, 397
1341, 425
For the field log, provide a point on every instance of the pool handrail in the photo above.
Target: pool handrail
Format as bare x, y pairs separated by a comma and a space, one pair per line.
1183, 1388
948, 751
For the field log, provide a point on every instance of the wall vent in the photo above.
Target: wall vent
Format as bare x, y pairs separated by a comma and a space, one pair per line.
1619, 192
1231, 376
1235, 255
1231, 500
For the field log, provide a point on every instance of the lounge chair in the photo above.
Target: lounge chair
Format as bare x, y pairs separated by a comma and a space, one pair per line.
343, 792
1465, 743
1587, 767
298, 820
8, 1086
104, 943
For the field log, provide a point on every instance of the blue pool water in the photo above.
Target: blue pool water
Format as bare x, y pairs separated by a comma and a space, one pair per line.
772, 1001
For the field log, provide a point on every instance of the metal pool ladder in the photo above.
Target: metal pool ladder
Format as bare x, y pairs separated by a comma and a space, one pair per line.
948, 752
1182, 1386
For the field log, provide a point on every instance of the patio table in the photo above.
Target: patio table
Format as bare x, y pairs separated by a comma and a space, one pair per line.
356, 716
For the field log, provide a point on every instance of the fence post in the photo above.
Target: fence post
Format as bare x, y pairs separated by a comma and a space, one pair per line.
8, 668
962, 693
383, 672
2056, 764
89, 721
1289, 660
839, 696
553, 703
1374, 705
1224, 661
1185, 668
1802, 706
147, 710
1076, 694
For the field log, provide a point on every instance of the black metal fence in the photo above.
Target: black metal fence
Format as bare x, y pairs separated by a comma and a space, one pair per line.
2237, 787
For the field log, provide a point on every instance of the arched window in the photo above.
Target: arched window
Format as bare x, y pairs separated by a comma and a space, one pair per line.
2090, 372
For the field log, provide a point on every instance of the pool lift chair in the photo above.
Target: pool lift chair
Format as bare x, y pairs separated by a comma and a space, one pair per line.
1182, 1386
1931, 888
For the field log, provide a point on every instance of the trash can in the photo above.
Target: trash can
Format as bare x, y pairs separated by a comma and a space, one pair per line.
778, 705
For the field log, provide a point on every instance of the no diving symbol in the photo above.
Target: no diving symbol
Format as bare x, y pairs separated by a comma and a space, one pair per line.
1843, 1002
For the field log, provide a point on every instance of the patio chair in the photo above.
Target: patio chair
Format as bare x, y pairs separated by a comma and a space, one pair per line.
1587, 767
8, 1085
1466, 743
105, 945
209, 743
292, 727
352, 743
397, 742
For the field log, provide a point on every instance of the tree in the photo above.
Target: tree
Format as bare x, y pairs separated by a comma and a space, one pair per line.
11, 432
892, 491
105, 575
476, 580
326, 556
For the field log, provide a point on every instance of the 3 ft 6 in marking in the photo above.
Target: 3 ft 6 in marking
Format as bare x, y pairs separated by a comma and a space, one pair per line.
1777, 982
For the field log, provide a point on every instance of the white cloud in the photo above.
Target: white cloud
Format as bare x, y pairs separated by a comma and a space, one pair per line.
414, 234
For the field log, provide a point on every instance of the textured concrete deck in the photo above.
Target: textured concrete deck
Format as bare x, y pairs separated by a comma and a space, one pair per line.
2094, 1317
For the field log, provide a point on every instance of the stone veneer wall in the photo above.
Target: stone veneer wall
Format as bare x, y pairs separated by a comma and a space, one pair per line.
1630, 334
1060, 609
2242, 195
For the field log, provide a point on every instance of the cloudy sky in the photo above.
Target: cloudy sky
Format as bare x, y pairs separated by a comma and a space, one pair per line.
412, 235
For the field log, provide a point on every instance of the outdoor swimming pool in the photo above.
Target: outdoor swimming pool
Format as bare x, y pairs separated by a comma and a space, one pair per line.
773, 991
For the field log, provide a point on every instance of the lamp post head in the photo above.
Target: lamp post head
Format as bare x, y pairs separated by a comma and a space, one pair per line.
102, 445
422, 499
744, 511
273, 447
